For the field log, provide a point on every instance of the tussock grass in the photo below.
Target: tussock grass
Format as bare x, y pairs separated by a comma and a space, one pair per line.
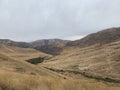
103, 60
15, 81
21, 53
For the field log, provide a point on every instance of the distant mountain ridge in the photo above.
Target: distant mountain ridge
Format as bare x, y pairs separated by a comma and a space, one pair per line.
101, 37
56, 46
9, 42
45, 42
50, 46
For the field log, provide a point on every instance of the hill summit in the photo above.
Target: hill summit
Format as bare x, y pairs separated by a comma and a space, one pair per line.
50, 46
101, 37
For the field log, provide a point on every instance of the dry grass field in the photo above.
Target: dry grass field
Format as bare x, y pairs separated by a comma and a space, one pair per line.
21, 53
103, 60
15, 81
17, 74
19, 64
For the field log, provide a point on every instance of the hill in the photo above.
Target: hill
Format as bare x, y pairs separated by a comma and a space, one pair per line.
99, 38
9, 42
84, 64
14, 59
21, 53
96, 54
96, 61
50, 46
17, 74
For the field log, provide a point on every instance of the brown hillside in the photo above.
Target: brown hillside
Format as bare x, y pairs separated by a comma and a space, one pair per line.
50, 46
21, 53
14, 59
100, 38
14, 43
97, 60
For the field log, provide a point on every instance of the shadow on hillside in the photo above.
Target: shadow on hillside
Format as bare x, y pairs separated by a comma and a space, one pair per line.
36, 60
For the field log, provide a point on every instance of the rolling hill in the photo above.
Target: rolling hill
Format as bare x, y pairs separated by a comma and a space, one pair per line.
9, 42
97, 54
17, 74
92, 63
21, 53
100, 38
14, 59
50, 46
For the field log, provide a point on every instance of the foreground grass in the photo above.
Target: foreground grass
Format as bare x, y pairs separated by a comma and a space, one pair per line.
15, 81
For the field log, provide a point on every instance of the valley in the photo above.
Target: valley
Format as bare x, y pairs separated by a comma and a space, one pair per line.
91, 63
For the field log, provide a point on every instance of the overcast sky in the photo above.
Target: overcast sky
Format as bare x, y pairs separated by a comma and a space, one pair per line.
28, 20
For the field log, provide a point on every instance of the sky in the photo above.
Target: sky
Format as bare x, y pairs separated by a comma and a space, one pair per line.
29, 20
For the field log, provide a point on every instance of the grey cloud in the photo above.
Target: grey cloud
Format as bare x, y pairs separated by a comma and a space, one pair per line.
35, 19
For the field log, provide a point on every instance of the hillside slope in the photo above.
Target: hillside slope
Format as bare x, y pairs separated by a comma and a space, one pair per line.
14, 43
100, 38
50, 46
21, 53
9, 64
96, 54
96, 60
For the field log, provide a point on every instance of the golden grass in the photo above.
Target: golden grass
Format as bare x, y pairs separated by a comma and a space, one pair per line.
102, 60
10, 64
44, 79
15, 81
21, 53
